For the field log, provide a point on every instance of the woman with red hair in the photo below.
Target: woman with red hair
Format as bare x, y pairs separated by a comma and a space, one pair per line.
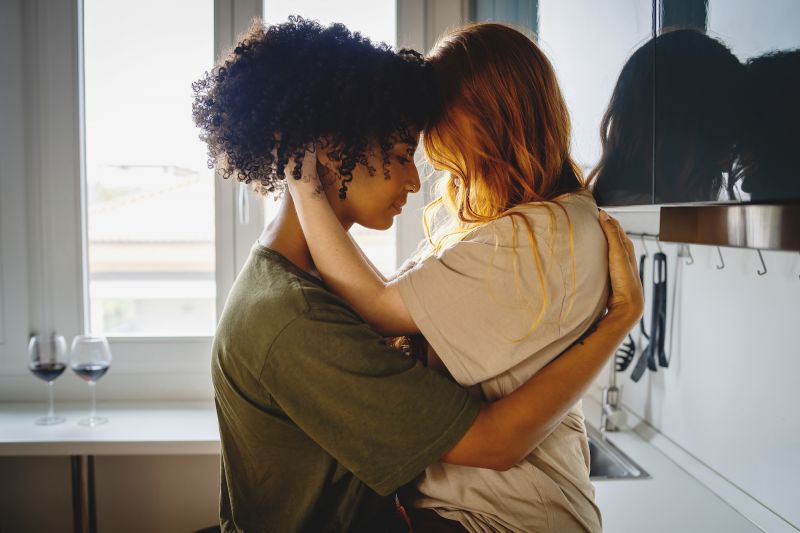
513, 271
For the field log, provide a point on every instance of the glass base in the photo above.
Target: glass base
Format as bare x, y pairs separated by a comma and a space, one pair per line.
50, 420
93, 421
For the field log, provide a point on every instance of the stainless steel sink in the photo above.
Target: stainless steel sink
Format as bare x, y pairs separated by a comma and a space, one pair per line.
608, 461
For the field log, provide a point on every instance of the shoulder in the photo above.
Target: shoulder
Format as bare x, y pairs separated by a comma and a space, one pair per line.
541, 217
267, 297
573, 206
277, 285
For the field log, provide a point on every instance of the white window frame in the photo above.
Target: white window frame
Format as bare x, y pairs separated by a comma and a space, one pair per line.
43, 284
15, 307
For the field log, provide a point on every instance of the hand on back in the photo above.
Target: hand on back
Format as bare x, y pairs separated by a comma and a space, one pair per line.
626, 298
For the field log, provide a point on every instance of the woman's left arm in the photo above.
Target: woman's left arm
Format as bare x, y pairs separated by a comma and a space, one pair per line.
339, 260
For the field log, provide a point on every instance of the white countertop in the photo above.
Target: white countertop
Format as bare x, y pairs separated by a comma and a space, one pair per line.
670, 501
134, 428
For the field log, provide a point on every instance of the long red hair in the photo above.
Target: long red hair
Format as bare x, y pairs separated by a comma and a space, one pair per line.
502, 133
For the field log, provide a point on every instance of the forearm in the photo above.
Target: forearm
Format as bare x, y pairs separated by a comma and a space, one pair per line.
507, 430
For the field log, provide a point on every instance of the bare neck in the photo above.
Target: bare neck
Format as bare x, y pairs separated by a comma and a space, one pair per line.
285, 236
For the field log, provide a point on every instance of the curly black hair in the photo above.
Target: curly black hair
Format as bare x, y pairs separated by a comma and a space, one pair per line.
283, 87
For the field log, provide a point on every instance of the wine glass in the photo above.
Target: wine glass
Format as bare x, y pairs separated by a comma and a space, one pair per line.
48, 360
90, 358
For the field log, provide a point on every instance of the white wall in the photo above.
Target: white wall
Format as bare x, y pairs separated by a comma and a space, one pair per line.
730, 396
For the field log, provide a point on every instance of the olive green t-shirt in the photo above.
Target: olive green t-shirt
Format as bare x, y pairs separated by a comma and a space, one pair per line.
320, 421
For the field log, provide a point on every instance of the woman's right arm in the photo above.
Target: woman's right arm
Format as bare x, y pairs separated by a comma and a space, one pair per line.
506, 431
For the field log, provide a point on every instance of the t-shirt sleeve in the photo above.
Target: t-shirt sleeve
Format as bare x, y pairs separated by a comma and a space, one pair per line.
382, 415
474, 311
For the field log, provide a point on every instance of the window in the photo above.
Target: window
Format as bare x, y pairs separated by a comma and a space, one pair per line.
106, 115
149, 193
376, 20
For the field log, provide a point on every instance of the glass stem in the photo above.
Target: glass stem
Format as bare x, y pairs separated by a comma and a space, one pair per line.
94, 403
51, 412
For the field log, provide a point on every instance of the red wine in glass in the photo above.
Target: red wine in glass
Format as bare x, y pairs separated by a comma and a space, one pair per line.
47, 371
47, 360
90, 359
91, 371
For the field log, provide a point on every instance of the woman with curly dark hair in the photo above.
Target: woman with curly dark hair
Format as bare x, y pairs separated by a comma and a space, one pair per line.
287, 85
319, 419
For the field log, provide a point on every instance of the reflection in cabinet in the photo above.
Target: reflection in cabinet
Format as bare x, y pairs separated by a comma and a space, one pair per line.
674, 101
698, 108
726, 101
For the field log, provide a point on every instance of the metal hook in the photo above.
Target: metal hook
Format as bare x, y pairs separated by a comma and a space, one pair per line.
763, 265
644, 245
690, 259
721, 264
658, 243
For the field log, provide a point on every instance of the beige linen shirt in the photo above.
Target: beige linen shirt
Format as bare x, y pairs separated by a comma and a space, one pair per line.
477, 303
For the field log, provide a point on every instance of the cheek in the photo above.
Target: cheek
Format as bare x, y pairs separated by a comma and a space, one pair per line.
368, 203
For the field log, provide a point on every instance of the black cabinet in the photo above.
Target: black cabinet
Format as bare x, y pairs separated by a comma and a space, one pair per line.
727, 100
675, 101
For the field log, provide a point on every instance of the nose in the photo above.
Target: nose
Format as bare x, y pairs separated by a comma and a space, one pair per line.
413, 179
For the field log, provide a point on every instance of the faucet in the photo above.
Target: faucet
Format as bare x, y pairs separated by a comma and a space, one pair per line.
611, 412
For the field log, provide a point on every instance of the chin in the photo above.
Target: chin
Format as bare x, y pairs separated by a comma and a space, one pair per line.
380, 224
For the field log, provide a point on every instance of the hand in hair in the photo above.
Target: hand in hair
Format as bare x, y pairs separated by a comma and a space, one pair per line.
307, 182
345, 269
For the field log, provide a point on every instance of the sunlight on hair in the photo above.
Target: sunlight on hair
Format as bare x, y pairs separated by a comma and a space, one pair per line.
503, 137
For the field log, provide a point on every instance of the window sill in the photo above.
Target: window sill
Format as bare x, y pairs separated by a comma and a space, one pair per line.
134, 428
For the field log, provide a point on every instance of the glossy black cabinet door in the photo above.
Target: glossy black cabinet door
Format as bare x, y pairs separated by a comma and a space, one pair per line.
727, 100
589, 43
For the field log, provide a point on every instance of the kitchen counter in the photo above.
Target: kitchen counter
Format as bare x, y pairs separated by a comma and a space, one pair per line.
669, 501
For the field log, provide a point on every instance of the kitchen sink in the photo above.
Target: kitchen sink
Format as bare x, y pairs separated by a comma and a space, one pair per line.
608, 461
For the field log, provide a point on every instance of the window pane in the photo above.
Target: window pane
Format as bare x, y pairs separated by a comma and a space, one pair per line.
150, 194
375, 19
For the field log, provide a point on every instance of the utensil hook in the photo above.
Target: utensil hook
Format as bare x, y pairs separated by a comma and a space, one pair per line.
644, 245
690, 259
721, 264
763, 265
